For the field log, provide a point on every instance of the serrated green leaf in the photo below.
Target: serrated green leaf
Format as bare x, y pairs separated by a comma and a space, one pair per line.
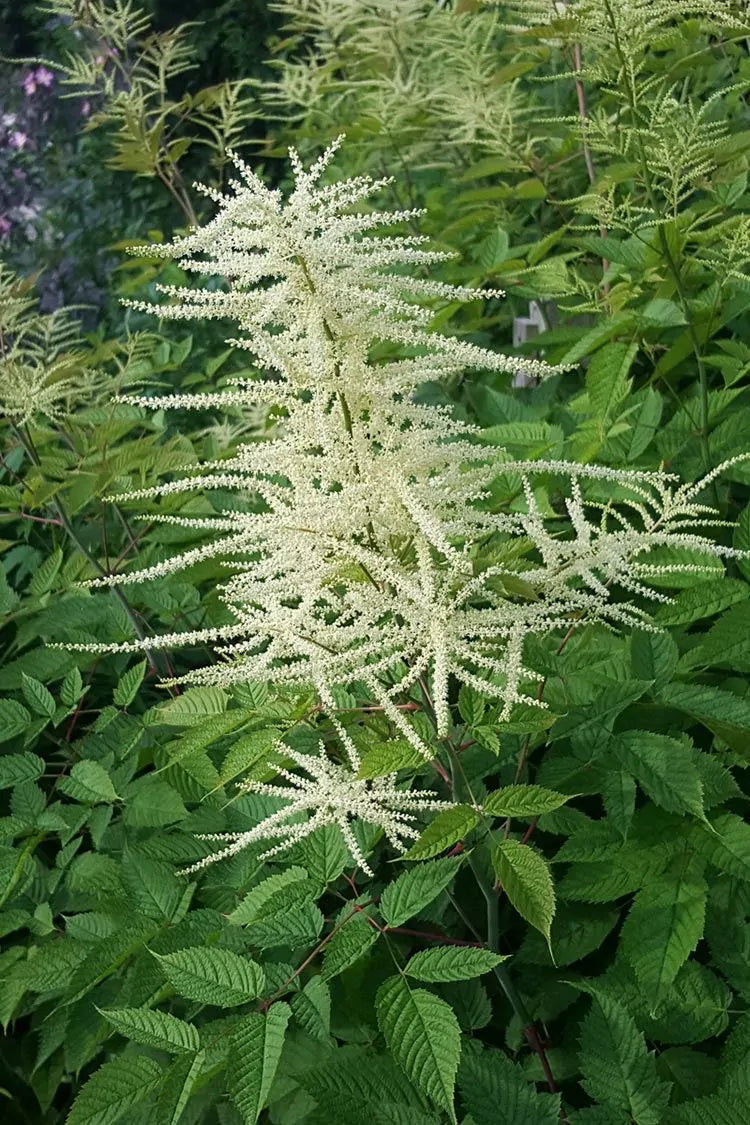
46, 574
451, 962
152, 803
312, 1009
71, 689
17, 768
14, 719
386, 757
348, 945
153, 1028
254, 1055
525, 878
727, 845
724, 713
107, 956
523, 800
664, 926
213, 976
443, 831
89, 783
37, 696
471, 705
247, 752
607, 380
128, 684
114, 1089
323, 853
495, 1091
617, 1068
423, 1036
417, 887
256, 898
177, 1087
664, 768
153, 888
191, 707
704, 600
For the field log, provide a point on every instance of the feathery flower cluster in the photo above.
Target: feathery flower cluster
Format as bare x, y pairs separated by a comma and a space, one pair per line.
333, 794
373, 553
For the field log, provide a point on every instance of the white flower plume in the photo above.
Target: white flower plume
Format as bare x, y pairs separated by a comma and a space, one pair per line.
366, 546
331, 793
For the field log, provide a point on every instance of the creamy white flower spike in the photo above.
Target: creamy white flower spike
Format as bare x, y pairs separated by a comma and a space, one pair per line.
330, 794
360, 559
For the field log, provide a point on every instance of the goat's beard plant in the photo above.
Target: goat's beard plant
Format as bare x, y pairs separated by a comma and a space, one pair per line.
374, 556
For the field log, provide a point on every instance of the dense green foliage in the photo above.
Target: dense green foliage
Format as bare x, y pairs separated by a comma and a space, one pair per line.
571, 940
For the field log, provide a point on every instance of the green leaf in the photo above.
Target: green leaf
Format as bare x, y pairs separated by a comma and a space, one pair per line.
114, 1089
89, 783
153, 1028
16, 768
590, 726
727, 845
348, 945
108, 955
177, 1087
423, 1036
71, 689
152, 803
727, 643
617, 1069
14, 719
417, 887
254, 1053
189, 708
664, 768
607, 380
722, 712
46, 574
704, 600
256, 898
471, 705
527, 882
449, 826
452, 962
312, 1009
247, 752
618, 794
37, 696
495, 1091
323, 853
213, 976
653, 656
646, 423
128, 684
663, 312
664, 926
493, 249
154, 889
387, 757
523, 800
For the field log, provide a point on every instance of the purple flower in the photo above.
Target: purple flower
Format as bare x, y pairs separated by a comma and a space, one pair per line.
29, 85
5, 225
17, 139
85, 108
44, 77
